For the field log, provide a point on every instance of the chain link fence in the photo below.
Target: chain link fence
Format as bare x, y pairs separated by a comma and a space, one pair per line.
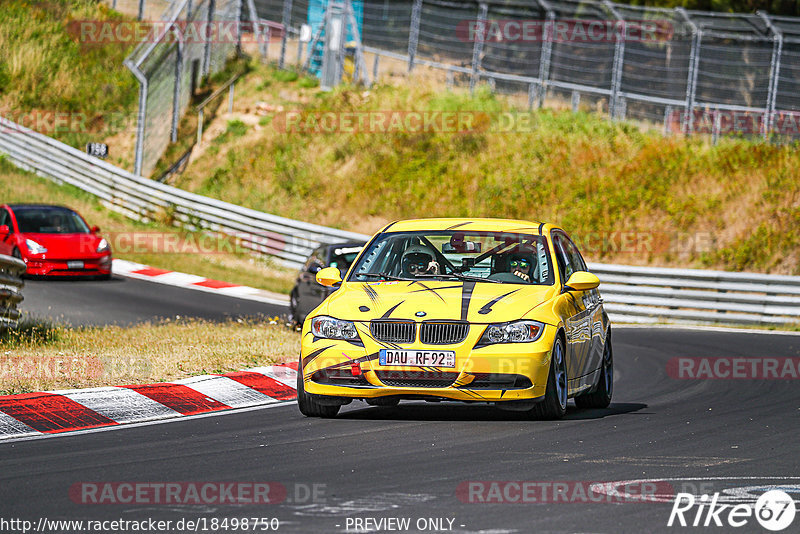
684, 71
192, 40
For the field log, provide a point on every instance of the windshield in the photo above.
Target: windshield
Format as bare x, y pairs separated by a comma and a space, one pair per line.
49, 221
342, 257
497, 257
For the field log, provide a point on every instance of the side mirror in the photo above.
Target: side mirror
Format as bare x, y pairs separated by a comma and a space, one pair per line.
314, 268
4, 230
581, 281
94, 229
329, 276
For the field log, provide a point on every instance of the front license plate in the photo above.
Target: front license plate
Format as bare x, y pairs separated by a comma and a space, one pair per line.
418, 358
74, 265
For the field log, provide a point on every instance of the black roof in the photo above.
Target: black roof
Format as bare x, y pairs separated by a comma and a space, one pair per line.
38, 206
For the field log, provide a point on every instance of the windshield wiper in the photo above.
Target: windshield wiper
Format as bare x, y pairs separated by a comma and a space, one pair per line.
462, 277
384, 276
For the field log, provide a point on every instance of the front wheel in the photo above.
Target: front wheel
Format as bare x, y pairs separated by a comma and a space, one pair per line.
601, 397
293, 315
308, 406
554, 404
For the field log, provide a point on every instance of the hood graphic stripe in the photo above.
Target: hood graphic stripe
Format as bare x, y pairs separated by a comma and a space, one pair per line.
487, 308
432, 290
466, 296
371, 293
390, 310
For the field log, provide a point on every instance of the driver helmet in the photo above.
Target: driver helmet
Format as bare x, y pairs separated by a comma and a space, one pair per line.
416, 259
521, 263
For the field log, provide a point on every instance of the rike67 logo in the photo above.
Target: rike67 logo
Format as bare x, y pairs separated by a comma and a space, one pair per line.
774, 510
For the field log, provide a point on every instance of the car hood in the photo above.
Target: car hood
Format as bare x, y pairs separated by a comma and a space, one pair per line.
66, 246
476, 302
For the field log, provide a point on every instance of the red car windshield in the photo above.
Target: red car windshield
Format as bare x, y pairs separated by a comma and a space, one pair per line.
49, 221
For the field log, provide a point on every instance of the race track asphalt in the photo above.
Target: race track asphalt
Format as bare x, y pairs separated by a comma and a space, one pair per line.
410, 461
126, 301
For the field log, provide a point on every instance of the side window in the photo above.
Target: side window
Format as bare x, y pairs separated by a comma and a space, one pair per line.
564, 262
574, 255
5, 219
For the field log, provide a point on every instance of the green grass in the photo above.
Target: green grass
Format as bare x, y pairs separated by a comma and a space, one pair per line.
734, 206
40, 356
46, 68
238, 266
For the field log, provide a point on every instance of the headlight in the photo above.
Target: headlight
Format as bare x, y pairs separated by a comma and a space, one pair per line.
515, 332
34, 247
103, 246
330, 328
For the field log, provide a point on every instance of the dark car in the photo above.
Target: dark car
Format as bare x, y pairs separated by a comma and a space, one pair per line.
308, 293
53, 241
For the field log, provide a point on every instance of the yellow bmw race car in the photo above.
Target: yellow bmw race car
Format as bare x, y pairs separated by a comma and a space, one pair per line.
477, 310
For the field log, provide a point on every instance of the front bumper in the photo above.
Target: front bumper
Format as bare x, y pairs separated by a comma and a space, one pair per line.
56, 267
492, 373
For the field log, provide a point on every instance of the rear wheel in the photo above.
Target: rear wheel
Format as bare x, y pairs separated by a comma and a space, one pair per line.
554, 405
601, 397
308, 406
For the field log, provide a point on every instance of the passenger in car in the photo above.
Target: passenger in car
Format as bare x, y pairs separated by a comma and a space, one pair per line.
521, 265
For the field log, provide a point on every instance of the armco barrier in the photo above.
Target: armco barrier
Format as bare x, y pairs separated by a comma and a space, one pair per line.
632, 294
11, 271
648, 294
288, 240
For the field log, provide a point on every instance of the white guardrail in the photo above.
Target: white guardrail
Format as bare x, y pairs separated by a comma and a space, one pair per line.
11, 271
631, 294
139, 198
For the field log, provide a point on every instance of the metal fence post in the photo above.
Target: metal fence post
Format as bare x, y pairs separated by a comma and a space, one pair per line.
477, 49
141, 9
533, 94
238, 27
286, 21
546, 53
694, 67
576, 101
176, 95
619, 58
256, 23
413, 33
207, 51
141, 117
774, 72
667, 118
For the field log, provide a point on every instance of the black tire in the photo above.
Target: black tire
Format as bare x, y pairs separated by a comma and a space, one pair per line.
293, 318
103, 277
601, 396
554, 405
383, 401
16, 253
306, 403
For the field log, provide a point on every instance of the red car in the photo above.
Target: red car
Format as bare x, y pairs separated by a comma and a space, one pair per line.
53, 241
